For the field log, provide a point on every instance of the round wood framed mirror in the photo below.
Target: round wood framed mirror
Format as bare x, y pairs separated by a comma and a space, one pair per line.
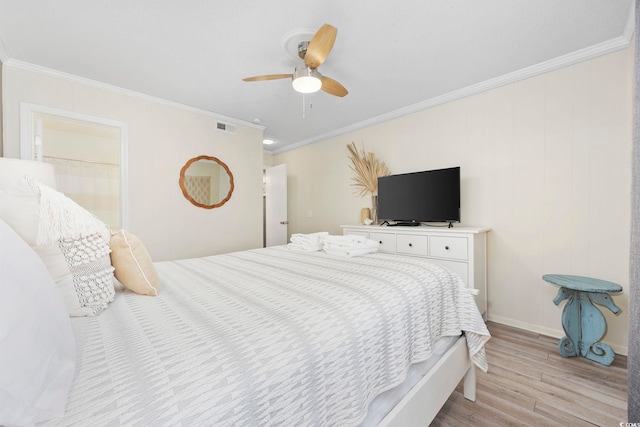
206, 181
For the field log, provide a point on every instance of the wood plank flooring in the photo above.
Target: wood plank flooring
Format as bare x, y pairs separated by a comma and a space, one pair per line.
530, 384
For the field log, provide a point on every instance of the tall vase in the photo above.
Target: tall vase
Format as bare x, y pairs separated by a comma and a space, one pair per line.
374, 208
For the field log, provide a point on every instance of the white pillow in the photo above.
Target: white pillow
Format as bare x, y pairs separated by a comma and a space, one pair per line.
37, 345
72, 243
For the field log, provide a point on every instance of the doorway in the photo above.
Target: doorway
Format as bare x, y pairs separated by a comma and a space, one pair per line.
88, 154
275, 206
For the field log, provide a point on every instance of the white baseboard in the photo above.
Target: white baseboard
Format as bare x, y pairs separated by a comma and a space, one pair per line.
550, 332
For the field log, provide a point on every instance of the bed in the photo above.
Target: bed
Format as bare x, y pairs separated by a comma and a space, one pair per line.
277, 337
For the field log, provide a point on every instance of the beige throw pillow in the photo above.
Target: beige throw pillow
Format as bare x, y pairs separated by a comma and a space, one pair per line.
133, 264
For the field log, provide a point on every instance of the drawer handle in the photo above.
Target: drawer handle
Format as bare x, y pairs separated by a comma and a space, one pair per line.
410, 244
380, 241
446, 248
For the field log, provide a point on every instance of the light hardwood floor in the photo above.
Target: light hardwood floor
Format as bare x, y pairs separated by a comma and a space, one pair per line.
529, 383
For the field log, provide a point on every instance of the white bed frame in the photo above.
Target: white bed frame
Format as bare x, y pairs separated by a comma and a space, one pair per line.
423, 402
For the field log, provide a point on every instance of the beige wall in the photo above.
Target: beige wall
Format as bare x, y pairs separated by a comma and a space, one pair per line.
545, 163
161, 138
267, 159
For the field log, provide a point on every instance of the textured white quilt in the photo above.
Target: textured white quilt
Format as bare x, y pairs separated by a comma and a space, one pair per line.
266, 337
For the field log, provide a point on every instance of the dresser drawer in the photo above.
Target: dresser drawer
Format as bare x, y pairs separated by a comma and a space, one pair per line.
448, 247
387, 241
461, 249
412, 245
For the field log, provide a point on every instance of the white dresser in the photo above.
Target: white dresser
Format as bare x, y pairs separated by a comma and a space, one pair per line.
463, 250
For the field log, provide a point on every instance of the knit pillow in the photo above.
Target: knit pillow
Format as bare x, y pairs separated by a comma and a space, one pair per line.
133, 265
72, 243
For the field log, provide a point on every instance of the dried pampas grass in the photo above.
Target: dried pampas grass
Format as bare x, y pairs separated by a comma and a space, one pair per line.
367, 169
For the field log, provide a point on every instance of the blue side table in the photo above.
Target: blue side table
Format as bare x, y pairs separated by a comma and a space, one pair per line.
582, 321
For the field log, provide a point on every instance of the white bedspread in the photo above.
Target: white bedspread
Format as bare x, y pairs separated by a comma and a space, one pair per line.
266, 337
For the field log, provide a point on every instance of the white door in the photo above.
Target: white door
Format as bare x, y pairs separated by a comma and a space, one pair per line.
276, 206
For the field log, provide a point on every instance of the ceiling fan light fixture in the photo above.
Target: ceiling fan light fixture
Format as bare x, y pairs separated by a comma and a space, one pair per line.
306, 80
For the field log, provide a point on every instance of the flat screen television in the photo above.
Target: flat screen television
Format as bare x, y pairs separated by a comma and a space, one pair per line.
427, 196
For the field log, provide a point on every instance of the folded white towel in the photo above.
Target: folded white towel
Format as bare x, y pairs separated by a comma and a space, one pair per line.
351, 252
348, 240
311, 238
350, 247
347, 244
304, 247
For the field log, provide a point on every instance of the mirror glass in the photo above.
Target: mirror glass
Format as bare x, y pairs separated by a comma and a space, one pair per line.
206, 182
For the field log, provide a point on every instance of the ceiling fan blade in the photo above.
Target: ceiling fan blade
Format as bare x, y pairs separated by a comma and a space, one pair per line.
320, 46
333, 87
267, 77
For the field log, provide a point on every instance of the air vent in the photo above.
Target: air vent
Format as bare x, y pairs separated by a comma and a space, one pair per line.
226, 127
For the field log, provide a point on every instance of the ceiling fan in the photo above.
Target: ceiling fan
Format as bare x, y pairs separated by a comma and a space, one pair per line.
306, 78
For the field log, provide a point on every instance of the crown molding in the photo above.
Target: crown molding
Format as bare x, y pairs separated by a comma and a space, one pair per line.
631, 22
613, 45
585, 54
122, 91
4, 55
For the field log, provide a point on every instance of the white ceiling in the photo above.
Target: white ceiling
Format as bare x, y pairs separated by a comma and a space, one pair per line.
394, 57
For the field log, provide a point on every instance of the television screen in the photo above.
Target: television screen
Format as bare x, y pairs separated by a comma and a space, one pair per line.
427, 196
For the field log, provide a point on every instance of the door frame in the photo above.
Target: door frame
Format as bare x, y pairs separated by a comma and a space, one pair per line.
267, 202
27, 111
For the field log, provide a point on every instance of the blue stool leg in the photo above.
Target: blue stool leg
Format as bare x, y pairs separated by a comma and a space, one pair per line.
584, 325
568, 345
594, 326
